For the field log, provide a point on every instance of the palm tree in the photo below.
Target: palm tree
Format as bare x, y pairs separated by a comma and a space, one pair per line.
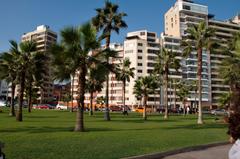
35, 74
199, 39
73, 55
183, 92
165, 60
94, 83
124, 75
9, 70
108, 20
144, 87
27, 49
230, 72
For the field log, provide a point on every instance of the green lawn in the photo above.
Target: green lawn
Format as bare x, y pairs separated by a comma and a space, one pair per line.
47, 134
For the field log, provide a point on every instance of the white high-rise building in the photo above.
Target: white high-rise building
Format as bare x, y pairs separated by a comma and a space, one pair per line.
44, 38
141, 48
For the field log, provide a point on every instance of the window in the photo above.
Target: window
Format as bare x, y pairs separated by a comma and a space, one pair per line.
139, 71
139, 64
150, 64
128, 51
186, 7
142, 33
140, 51
140, 44
139, 57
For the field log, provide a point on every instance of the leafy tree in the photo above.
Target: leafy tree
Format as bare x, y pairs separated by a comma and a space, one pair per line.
199, 38
144, 87
124, 75
166, 59
108, 20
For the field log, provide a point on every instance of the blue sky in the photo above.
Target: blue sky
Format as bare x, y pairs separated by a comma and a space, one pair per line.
20, 16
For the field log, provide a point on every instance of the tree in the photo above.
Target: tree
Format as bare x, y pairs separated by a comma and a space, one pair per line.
144, 87
94, 83
124, 75
35, 74
166, 59
230, 72
9, 70
26, 51
199, 38
74, 54
183, 92
108, 20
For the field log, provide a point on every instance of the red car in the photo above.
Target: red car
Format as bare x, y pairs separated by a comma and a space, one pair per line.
43, 106
115, 108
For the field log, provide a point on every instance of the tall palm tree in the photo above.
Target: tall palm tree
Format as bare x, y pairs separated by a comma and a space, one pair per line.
108, 20
26, 50
199, 38
35, 74
74, 54
144, 87
230, 72
9, 70
94, 82
166, 59
124, 75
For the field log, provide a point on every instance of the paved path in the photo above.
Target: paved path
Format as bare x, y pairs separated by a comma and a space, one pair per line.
218, 152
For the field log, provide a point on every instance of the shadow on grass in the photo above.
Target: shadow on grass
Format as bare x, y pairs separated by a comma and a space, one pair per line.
36, 117
196, 126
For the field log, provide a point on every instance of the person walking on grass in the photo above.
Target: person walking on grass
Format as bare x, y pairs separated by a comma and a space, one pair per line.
234, 132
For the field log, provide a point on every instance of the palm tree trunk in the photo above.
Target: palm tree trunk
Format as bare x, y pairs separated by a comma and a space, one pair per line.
30, 97
91, 104
124, 84
175, 100
200, 117
12, 111
166, 95
107, 115
72, 92
22, 87
145, 107
81, 84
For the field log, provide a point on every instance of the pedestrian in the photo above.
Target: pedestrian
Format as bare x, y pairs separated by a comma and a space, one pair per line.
234, 132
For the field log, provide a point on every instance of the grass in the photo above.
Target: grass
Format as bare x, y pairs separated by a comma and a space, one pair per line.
48, 134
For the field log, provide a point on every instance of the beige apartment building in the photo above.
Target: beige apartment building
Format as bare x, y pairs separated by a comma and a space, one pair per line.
44, 38
115, 87
141, 48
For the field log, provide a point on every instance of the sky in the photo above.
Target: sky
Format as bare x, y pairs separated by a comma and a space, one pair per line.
21, 16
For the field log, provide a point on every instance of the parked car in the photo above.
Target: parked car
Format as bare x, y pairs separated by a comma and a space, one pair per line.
219, 112
43, 106
61, 107
115, 108
206, 111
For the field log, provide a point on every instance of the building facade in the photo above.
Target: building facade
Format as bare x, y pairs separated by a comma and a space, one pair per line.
44, 38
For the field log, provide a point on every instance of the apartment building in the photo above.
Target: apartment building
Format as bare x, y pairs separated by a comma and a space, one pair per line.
141, 48
184, 14
115, 87
44, 38
224, 33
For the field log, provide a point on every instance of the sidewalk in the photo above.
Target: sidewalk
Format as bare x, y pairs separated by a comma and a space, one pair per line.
209, 151
219, 152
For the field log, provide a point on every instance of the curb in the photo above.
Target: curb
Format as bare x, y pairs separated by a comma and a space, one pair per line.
160, 155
